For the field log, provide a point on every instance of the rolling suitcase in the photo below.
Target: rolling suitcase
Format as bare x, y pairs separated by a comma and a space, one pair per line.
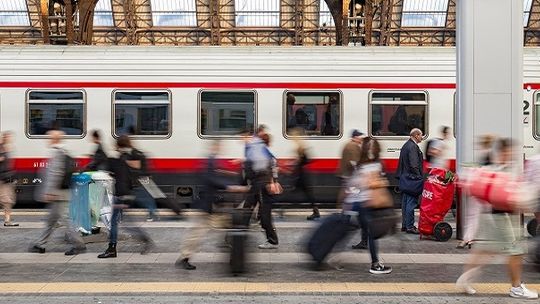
237, 237
332, 230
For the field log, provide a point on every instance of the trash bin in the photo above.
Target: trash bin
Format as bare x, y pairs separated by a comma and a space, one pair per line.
79, 208
101, 198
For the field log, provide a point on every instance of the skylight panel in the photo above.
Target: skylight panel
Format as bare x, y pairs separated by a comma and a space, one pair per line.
174, 13
424, 13
257, 13
14, 13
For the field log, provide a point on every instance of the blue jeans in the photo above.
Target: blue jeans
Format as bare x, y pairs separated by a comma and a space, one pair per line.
363, 219
137, 232
408, 203
145, 200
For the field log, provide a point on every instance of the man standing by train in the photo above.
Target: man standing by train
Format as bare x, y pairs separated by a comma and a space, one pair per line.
411, 180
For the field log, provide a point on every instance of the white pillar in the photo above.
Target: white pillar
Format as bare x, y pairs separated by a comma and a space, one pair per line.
489, 74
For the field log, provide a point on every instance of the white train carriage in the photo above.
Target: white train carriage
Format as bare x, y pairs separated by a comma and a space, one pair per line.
175, 99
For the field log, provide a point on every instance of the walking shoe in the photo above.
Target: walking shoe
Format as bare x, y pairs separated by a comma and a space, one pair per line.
463, 282
268, 245
36, 249
149, 218
522, 292
412, 230
378, 268
109, 253
75, 251
362, 245
336, 262
313, 216
184, 263
11, 224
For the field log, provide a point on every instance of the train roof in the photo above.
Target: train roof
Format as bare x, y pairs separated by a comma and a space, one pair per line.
155, 63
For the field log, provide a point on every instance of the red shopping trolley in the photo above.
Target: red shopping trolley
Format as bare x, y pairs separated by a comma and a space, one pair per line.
437, 198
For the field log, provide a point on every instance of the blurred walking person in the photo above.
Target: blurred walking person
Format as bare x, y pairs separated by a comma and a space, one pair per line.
99, 158
302, 182
54, 191
350, 156
7, 189
264, 185
410, 174
359, 194
474, 208
498, 236
123, 196
212, 183
437, 150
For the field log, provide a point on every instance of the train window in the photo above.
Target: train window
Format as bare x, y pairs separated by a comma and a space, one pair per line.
312, 113
396, 113
226, 113
55, 109
142, 113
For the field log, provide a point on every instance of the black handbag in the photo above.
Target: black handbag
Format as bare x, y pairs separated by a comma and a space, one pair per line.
382, 222
411, 184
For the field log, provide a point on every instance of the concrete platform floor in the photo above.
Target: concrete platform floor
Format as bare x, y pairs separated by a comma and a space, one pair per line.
424, 271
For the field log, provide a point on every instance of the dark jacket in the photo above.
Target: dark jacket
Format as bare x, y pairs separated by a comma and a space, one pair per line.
121, 173
410, 160
212, 184
138, 173
99, 160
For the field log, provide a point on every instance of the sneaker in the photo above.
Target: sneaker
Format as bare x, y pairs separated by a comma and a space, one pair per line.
36, 249
75, 251
313, 216
184, 263
464, 286
149, 218
522, 292
268, 245
11, 224
379, 268
361, 245
412, 230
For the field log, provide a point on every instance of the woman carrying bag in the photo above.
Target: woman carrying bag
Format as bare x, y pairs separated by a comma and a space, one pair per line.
367, 195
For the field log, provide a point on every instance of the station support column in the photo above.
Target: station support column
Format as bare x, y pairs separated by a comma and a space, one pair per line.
489, 78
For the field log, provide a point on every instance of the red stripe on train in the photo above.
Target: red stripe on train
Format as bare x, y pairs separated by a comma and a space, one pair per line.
193, 165
224, 85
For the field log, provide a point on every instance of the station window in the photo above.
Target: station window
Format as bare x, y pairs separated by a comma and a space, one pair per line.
313, 113
62, 110
226, 113
142, 113
397, 113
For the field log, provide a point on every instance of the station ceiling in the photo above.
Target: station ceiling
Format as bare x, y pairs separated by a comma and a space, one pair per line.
239, 22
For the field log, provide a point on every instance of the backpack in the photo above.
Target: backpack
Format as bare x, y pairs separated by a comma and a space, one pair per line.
69, 169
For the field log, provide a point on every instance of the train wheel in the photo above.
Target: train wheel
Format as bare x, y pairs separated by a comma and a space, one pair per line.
442, 231
531, 227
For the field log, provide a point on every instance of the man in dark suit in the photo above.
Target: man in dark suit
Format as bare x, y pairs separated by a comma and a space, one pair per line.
410, 168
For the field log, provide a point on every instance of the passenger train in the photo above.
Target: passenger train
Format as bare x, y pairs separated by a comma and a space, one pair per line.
174, 100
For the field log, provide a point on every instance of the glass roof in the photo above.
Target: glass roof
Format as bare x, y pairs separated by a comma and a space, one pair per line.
325, 17
174, 13
103, 14
14, 13
257, 13
527, 4
424, 13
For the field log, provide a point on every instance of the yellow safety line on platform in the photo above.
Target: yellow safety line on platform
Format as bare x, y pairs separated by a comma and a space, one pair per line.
248, 288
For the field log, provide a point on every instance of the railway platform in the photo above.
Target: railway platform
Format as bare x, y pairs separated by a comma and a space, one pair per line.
423, 271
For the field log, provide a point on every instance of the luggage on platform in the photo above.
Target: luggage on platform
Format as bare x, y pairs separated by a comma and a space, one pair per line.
332, 230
